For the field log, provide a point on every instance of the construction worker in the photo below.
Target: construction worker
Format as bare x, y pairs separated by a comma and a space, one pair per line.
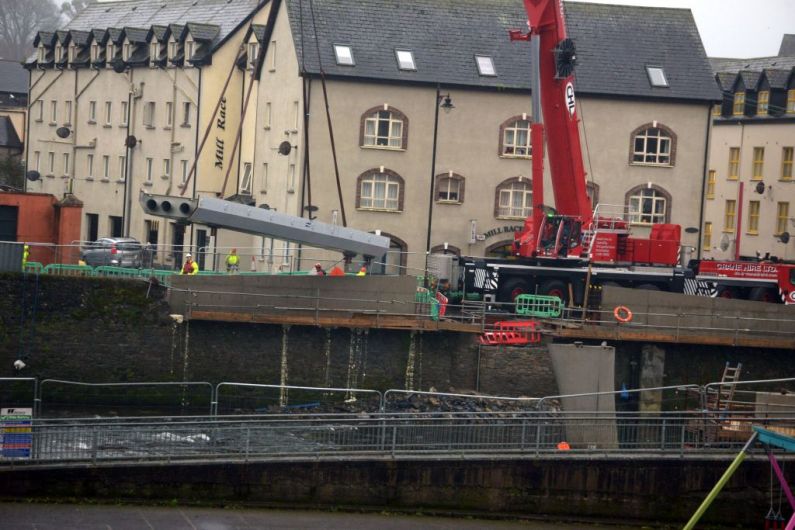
25, 256
191, 267
232, 261
318, 270
362, 271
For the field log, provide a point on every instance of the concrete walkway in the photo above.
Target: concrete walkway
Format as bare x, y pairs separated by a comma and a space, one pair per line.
19, 516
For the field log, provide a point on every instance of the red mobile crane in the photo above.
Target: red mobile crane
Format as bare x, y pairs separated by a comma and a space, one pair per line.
561, 249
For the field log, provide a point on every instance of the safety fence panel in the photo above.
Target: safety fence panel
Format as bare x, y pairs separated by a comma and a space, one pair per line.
117, 272
426, 303
34, 267
68, 270
250, 398
536, 305
58, 398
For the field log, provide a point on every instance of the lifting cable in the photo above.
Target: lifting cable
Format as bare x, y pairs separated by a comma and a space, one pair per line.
307, 94
587, 154
328, 115
211, 122
22, 311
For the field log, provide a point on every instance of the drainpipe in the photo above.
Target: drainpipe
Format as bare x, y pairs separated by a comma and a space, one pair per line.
700, 237
739, 225
27, 134
127, 206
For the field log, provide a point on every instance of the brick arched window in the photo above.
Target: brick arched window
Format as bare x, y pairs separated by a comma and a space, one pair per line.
394, 261
500, 249
652, 144
513, 199
648, 205
450, 188
380, 189
384, 127
451, 249
515, 139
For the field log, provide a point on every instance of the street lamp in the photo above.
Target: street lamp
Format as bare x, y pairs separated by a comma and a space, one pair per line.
445, 102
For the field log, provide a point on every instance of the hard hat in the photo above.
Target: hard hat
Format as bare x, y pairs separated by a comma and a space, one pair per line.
187, 255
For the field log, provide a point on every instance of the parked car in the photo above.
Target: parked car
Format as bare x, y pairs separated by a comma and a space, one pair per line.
113, 251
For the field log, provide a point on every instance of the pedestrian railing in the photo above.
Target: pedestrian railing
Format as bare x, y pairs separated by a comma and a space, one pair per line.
540, 306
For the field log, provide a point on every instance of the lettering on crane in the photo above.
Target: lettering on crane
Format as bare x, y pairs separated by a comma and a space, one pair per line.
570, 103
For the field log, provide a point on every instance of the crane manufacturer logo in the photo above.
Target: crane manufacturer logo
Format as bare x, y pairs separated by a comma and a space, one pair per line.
570, 103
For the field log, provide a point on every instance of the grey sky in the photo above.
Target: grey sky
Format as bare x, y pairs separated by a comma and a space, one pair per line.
733, 28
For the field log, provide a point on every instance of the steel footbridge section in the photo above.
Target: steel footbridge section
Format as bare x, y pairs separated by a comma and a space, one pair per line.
261, 222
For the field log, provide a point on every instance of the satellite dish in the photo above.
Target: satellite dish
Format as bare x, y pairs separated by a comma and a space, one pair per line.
265, 206
783, 237
565, 58
760, 188
131, 141
119, 67
311, 208
691, 230
724, 242
33, 175
63, 132
285, 148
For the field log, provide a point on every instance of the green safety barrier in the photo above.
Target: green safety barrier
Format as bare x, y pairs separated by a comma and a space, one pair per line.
425, 298
108, 271
34, 267
537, 305
69, 270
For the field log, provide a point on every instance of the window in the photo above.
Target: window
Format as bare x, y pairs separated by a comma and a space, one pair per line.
149, 114
108, 113
648, 206
110, 53
58, 53
166, 168
92, 226
762, 102
42, 53
116, 225
291, 179
184, 171
169, 114
186, 114
67, 111
94, 52
450, 188
150, 162
264, 182
122, 167
717, 110
380, 189
53, 112
592, 190
296, 115
245, 182
515, 138
729, 216
657, 76
92, 112
37, 160
759, 163
90, 166
485, 65
384, 128
173, 49
51, 163
707, 242
126, 51
782, 215
711, 184
652, 144
739, 104
253, 52
753, 217
39, 111
514, 199
344, 55
106, 167
791, 101
66, 164
786, 163
405, 59
154, 52
273, 56
267, 119
190, 50
734, 163
124, 117
72, 53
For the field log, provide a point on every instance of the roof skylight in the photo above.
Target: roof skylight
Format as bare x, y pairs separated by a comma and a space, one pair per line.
405, 59
344, 55
657, 76
485, 65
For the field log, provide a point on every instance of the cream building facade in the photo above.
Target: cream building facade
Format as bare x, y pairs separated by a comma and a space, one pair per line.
750, 191
337, 111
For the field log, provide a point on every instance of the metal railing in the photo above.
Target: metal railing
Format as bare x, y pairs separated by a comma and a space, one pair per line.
250, 397
531, 434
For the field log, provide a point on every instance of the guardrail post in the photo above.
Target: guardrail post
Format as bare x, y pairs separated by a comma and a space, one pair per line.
662, 436
524, 428
538, 436
248, 441
682, 440
394, 438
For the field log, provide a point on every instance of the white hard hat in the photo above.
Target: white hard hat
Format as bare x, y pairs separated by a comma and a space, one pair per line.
187, 255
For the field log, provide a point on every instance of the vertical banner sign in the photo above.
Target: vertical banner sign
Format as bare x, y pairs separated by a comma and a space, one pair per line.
15, 432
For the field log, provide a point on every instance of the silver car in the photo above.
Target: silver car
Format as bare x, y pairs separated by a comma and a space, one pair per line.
113, 251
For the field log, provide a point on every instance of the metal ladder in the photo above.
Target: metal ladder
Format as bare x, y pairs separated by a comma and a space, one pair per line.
721, 399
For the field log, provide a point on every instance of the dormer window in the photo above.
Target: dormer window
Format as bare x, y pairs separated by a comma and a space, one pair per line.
42, 53
58, 53
110, 53
72, 53
190, 50
253, 54
405, 59
94, 52
126, 51
738, 108
173, 48
763, 100
154, 52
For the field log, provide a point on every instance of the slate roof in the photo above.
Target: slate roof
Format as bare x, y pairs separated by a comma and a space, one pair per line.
136, 35
726, 80
158, 31
787, 48
8, 134
13, 77
259, 31
46, 36
723, 64
227, 14
202, 32
777, 78
80, 38
614, 44
750, 79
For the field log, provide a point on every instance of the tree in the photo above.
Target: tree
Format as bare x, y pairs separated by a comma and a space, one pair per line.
12, 172
71, 9
19, 22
